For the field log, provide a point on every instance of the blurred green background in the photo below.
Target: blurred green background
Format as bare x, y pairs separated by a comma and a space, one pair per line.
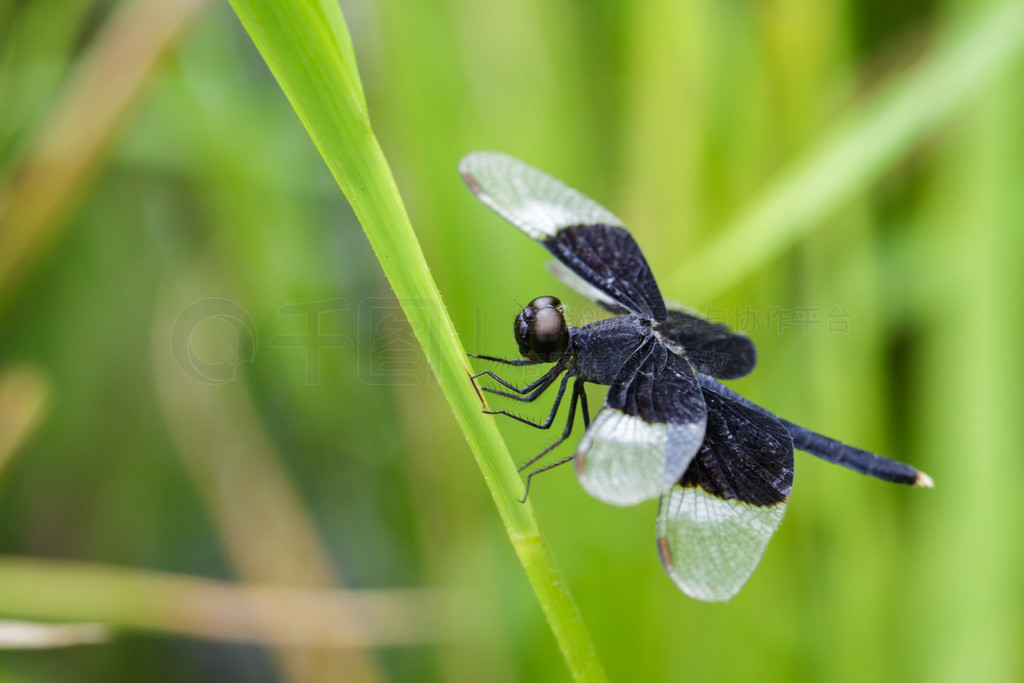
153, 174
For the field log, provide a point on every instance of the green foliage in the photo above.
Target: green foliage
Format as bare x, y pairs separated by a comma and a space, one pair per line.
839, 179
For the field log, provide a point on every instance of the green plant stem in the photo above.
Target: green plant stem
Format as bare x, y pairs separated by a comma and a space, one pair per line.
872, 141
309, 51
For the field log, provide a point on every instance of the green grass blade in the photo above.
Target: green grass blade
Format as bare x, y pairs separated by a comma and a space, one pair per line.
903, 114
308, 49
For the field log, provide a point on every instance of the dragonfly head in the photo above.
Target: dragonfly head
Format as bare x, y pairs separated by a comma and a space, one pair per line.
541, 331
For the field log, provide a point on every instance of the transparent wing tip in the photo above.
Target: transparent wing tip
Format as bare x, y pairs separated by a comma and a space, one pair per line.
709, 546
473, 161
610, 482
621, 459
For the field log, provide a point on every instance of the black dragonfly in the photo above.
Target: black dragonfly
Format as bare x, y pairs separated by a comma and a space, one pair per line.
722, 465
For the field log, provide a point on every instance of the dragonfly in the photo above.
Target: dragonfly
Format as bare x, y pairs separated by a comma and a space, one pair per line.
721, 465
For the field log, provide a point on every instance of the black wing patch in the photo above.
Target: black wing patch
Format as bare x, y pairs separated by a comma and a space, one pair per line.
609, 259
746, 455
590, 240
712, 348
648, 431
714, 526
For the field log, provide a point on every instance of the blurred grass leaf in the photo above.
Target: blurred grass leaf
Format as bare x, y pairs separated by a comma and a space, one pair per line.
24, 399
144, 600
29, 635
55, 169
308, 49
905, 112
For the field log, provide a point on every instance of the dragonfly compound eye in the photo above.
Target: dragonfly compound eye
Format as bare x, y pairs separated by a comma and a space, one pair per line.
541, 331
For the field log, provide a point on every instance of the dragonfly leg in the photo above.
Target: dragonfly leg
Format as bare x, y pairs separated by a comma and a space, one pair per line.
547, 377
537, 471
551, 416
